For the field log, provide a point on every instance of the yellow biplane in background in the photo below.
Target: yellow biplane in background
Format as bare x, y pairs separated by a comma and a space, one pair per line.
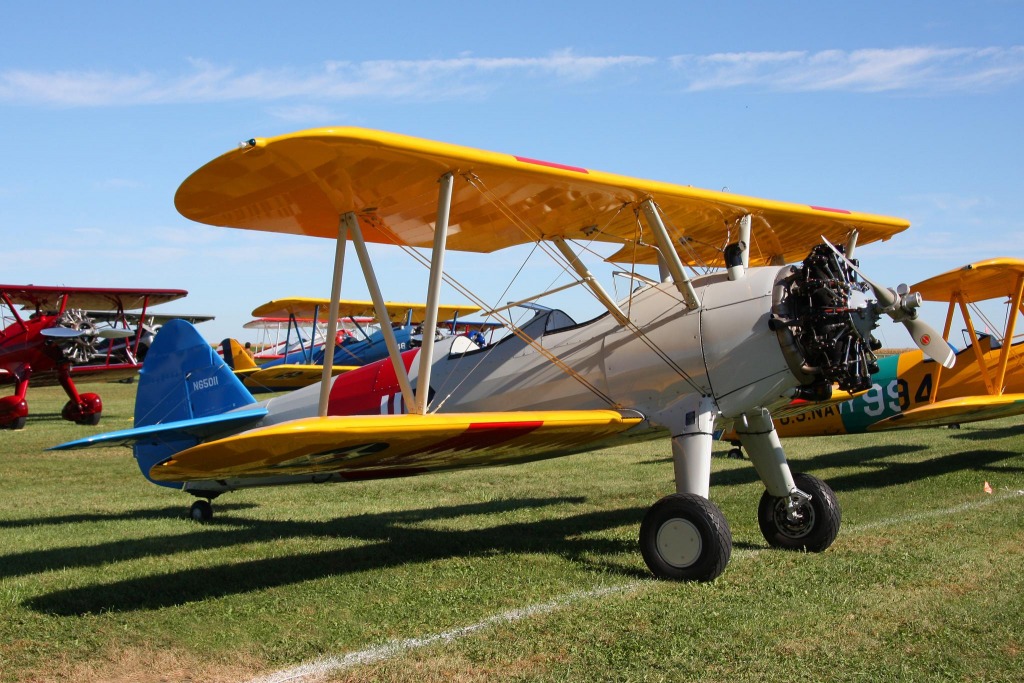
357, 342
745, 334
911, 390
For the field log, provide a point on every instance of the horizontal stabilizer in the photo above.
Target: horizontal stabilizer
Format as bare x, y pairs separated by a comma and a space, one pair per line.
197, 429
955, 411
372, 446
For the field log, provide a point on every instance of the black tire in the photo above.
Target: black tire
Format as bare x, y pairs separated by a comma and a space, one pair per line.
685, 537
818, 522
735, 453
201, 511
90, 420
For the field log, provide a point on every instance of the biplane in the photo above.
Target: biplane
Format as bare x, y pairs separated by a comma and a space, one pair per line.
131, 349
55, 335
727, 332
911, 390
359, 345
271, 346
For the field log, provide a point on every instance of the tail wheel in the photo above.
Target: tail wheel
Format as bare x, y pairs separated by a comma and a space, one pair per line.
810, 525
201, 511
684, 537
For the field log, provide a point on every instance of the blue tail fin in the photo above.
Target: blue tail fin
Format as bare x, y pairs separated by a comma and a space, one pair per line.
186, 395
182, 379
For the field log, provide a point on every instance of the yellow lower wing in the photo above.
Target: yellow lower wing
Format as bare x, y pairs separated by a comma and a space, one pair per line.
285, 377
956, 410
369, 446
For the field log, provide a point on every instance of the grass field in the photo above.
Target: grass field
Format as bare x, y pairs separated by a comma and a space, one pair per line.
521, 573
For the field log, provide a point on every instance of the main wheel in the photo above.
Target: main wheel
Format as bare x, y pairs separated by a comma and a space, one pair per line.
201, 511
684, 537
90, 420
812, 526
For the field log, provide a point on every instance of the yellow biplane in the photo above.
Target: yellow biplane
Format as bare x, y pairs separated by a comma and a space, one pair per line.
354, 348
911, 390
726, 333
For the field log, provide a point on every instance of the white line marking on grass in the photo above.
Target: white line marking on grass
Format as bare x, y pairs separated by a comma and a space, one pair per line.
929, 514
319, 668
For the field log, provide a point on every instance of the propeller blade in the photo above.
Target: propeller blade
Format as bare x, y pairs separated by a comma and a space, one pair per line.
61, 332
885, 297
116, 333
924, 335
931, 342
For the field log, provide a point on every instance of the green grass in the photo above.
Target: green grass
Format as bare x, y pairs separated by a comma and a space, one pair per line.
102, 576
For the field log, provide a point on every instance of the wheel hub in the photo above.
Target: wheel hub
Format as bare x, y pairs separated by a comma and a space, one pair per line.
794, 516
679, 542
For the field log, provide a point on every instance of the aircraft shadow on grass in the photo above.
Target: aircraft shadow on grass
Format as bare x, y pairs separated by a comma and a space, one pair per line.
391, 540
133, 515
990, 434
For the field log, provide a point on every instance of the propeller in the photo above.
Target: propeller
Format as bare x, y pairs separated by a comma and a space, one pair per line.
901, 304
69, 333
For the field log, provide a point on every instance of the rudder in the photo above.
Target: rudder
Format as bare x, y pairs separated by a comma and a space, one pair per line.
182, 378
236, 356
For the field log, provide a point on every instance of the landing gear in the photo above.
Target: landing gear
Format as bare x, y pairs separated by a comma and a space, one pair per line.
87, 410
201, 511
15, 424
736, 453
685, 537
13, 411
799, 523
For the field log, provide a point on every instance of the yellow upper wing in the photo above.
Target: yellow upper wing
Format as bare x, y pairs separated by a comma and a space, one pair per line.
302, 307
303, 182
393, 445
989, 279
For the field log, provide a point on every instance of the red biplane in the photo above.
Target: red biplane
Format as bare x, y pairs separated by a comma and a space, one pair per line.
56, 338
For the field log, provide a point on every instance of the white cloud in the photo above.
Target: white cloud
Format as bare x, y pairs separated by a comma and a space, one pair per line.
206, 82
906, 69
910, 69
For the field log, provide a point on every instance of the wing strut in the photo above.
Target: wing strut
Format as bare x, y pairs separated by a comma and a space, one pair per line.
675, 265
1004, 355
590, 281
945, 335
975, 344
381, 310
444, 205
332, 320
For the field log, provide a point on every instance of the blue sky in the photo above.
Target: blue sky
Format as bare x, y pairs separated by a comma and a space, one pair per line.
910, 109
